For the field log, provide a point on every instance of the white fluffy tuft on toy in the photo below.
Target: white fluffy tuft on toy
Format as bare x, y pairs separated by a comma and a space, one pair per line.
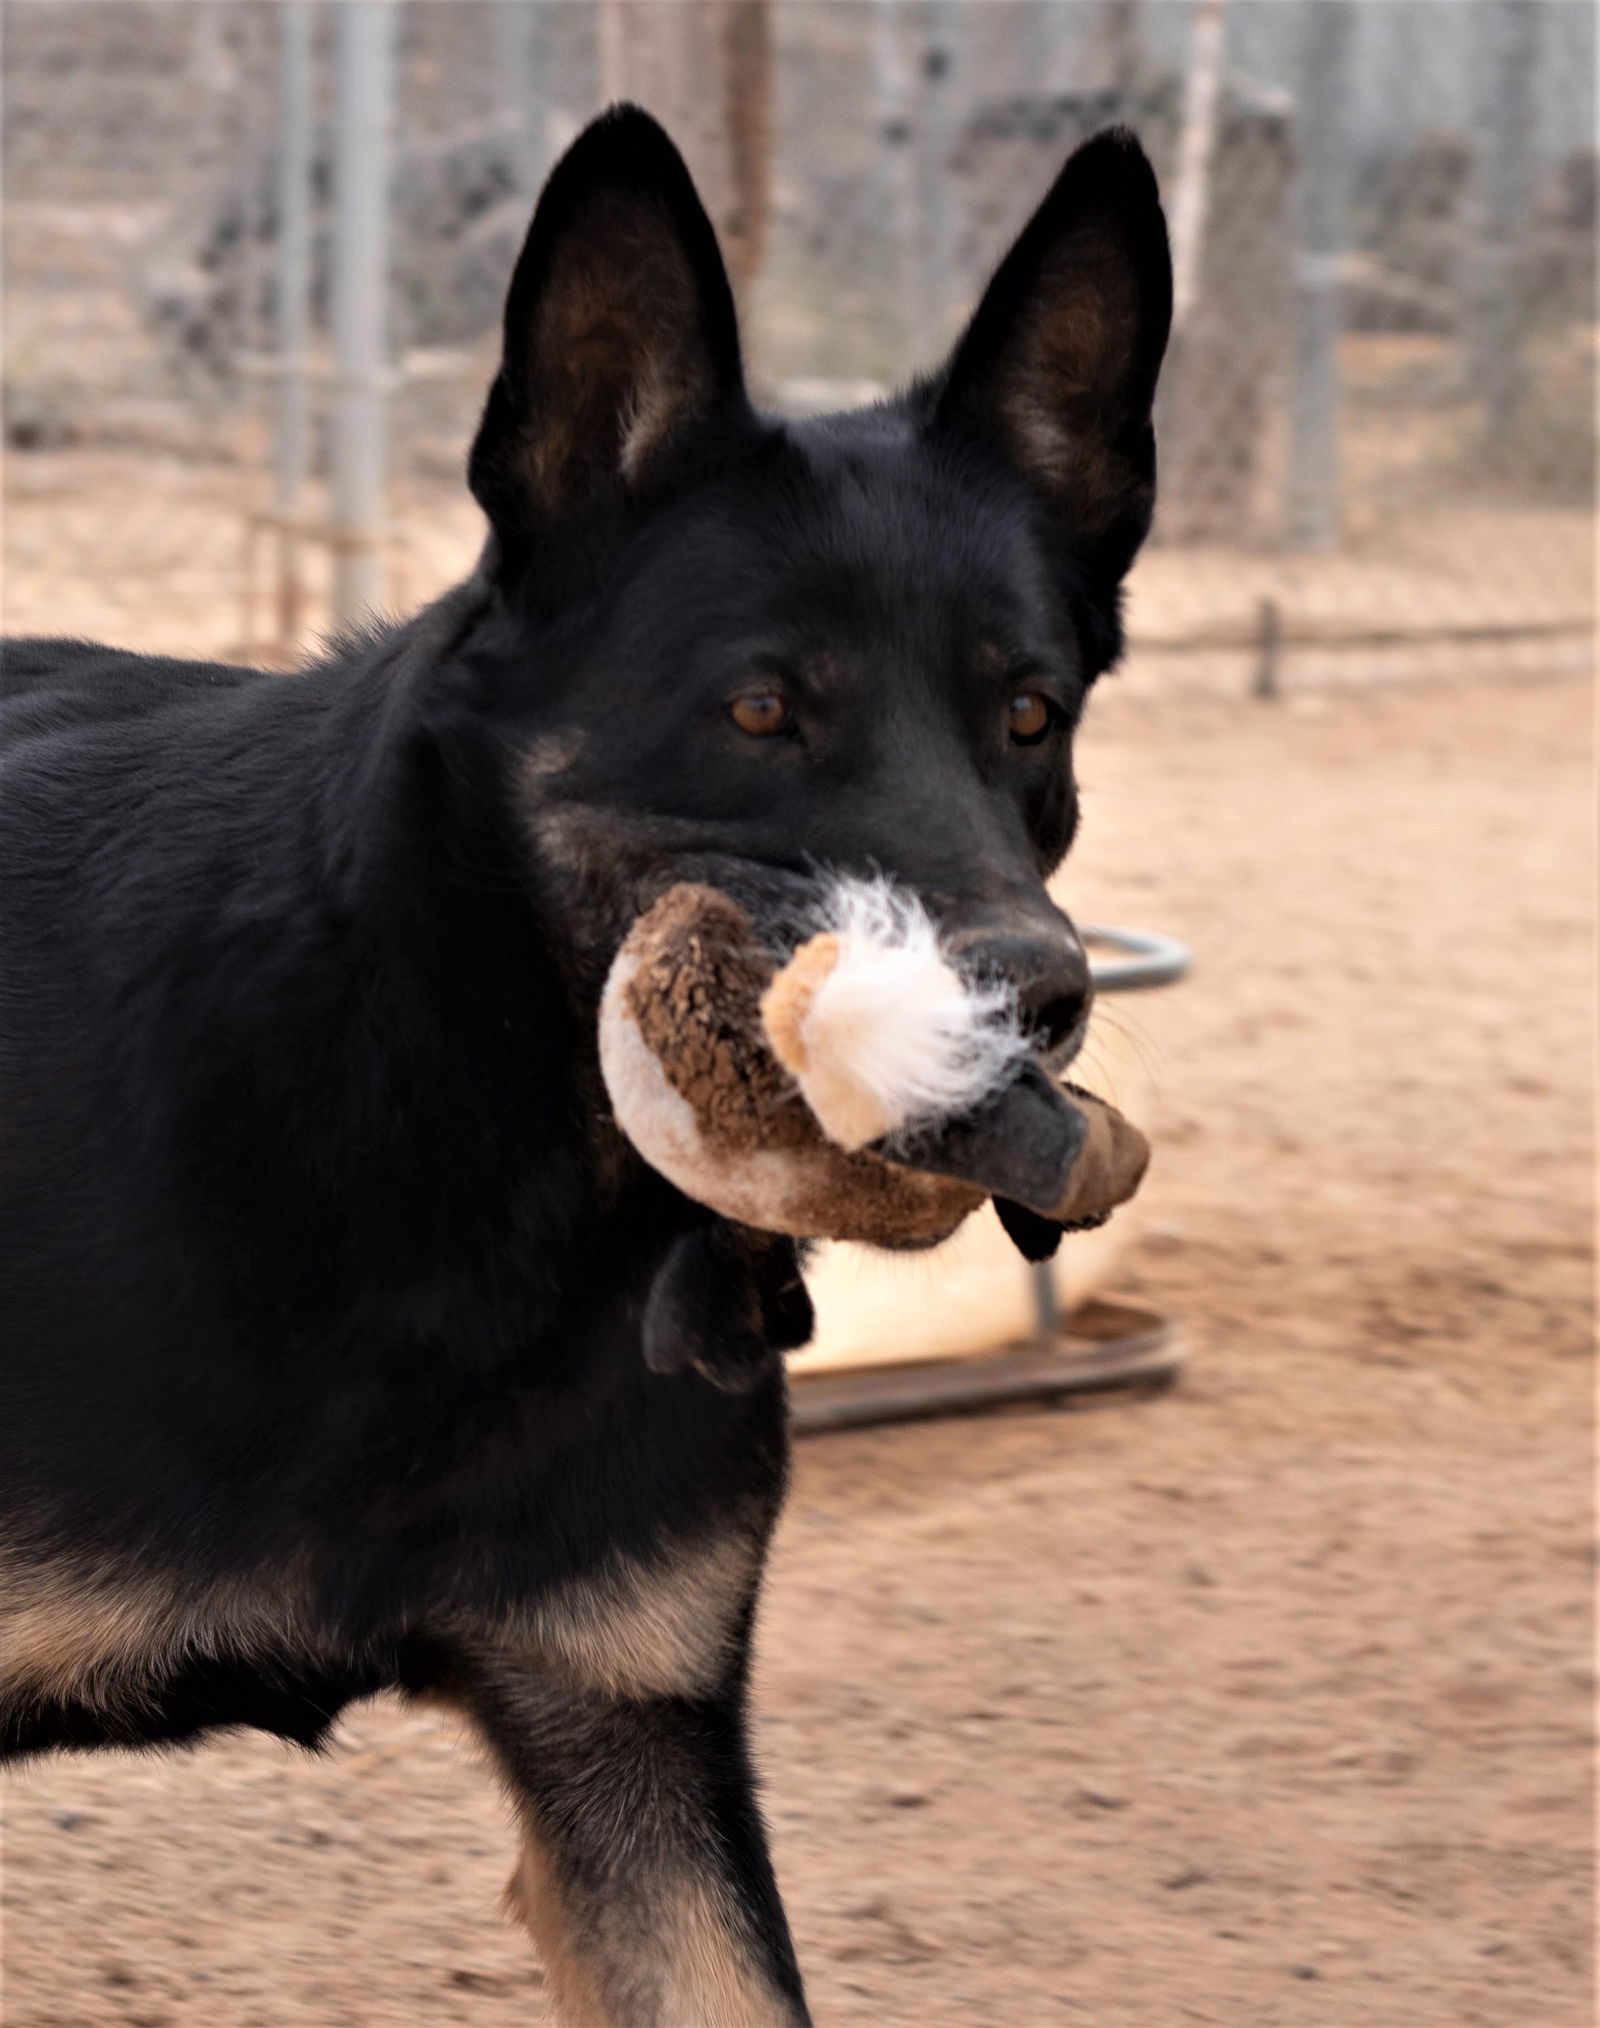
876, 1025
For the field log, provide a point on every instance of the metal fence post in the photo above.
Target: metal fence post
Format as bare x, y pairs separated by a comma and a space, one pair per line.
1202, 87
522, 62
611, 50
364, 90
1121, 40
895, 165
1505, 59
212, 63
941, 52
294, 297
1313, 502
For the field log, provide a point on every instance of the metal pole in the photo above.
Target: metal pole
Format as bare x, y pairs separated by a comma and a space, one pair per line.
1506, 53
744, 45
521, 65
212, 63
1269, 651
940, 62
611, 32
1313, 503
1202, 87
895, 122
1041, 28
294, 296
363, 92
1121, 41
1046, 1300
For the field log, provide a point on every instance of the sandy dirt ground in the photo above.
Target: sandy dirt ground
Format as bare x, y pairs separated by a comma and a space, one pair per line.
1263, 1701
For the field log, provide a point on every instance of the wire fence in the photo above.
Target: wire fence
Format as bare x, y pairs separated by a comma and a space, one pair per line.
1377, 422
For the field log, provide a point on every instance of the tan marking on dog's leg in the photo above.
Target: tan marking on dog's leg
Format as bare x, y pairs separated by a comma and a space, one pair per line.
534, 1896
105, 1633
650, 1629
712, 1980
683, 1964
70, 1647
644, 1877
79, 1630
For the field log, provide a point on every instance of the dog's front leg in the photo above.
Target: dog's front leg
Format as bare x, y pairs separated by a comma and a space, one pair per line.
644, 1875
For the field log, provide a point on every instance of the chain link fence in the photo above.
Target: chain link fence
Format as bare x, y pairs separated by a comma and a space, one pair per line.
1378, 420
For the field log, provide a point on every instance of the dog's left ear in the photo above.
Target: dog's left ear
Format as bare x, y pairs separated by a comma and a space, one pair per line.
1061, 357
621, 340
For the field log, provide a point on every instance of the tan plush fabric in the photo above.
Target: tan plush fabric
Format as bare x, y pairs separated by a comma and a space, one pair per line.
786, 1002
1110, 1165
848, 1115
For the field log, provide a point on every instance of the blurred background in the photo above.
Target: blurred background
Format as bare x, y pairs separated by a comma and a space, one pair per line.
1377, 443
1264, 1698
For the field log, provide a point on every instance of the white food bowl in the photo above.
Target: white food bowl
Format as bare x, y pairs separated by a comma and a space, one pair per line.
975, 1292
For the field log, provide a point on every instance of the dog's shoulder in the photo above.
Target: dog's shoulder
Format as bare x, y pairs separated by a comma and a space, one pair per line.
54, 687
87, 673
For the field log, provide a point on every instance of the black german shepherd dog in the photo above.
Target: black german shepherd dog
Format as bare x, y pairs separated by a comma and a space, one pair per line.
326, 1282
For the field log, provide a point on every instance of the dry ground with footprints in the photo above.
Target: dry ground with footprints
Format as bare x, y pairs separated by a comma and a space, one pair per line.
1264, 1700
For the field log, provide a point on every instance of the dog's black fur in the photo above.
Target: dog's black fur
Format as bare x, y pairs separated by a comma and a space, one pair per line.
346, 1345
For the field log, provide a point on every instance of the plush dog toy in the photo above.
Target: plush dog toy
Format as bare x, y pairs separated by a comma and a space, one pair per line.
859, 1088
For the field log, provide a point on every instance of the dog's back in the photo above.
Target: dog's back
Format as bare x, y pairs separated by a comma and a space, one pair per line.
46, 683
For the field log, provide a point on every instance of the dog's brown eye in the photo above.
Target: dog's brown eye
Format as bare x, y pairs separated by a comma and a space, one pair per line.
1029, 717
761, 713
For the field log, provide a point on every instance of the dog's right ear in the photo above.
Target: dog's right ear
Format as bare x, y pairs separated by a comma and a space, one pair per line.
620, 338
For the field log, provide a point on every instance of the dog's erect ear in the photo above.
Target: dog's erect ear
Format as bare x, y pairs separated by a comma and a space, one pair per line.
620, 335
1061, 357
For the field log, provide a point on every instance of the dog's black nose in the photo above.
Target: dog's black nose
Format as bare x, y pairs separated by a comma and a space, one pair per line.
1049, 974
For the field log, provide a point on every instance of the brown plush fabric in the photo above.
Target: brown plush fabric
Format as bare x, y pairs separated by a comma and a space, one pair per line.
696, 996
863, 1198
1110, 1165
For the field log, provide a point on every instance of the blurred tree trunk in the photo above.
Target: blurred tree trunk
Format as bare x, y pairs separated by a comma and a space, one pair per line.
704, 68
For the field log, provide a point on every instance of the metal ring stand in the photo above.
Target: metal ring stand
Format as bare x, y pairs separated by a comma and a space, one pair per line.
1100, 1345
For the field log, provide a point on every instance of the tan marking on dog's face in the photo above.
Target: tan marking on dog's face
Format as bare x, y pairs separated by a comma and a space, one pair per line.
570, 837
551, 755
106, 1635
